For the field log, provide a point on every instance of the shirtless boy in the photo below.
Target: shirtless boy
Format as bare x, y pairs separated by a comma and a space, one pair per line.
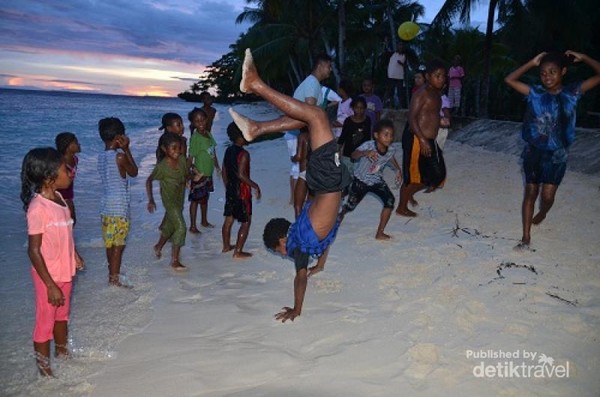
423, 162
316, 227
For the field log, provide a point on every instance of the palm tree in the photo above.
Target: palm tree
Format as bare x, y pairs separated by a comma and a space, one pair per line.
462, 8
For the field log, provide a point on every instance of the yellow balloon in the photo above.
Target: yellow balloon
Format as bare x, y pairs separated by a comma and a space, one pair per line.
408, 30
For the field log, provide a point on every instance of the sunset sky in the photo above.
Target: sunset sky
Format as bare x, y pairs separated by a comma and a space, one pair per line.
141, 47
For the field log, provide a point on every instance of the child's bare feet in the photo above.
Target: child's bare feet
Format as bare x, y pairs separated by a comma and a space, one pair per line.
62, 352
248, 127
227, 249
523, 247
382, 236
178, 267
194, 230
249, 72
405, 212
157, 251
538, 218
207, 225
43, 365
242, 255
115, 281
314, 270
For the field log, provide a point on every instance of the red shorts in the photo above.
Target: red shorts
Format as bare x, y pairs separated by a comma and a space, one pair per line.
46, 314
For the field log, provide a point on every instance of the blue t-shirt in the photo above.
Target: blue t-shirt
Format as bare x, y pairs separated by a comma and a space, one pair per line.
549, 122
309, 88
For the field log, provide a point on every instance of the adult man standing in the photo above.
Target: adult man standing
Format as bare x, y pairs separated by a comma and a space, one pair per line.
308, 91
396, 76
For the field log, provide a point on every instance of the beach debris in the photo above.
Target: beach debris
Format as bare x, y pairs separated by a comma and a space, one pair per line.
509, 265
568, 302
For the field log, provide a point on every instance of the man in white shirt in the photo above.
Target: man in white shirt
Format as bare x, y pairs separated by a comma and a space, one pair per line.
396, 76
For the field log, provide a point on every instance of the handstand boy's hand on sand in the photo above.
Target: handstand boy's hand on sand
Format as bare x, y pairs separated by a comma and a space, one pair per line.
316, 226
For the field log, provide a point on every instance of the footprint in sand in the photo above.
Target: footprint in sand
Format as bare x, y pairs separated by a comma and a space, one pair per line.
355, 315
424, 359
328, 286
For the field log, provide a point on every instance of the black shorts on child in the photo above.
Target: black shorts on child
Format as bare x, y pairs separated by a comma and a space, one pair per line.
324, 172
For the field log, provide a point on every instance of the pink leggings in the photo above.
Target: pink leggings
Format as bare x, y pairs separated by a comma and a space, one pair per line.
46, 314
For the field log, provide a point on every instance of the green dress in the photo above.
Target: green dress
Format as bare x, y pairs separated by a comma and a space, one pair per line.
202, 150
172, 191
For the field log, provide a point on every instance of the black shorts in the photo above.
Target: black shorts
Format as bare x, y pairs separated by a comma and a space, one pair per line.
240, 210
325, 172
543, 166
418, 169
359, 189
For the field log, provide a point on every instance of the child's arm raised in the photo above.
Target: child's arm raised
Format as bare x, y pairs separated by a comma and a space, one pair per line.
55, 295
125, 161
512, 80
592, 81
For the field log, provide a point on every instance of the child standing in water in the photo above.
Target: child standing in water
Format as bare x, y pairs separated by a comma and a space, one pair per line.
548, 129
68, 146
172, 172
209, 110
238, 192
172, 122
202, 156
51, 250
115, 166
316, 227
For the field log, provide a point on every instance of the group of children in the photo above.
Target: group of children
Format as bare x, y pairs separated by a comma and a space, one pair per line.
548, 129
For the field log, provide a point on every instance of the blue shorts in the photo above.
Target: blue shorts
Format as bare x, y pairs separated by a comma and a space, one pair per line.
302, 239
544, 166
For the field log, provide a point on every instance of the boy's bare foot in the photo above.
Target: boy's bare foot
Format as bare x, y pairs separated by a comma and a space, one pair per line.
249, 72
248, 127
43, 364
382, 236
227, 249
538, 218
242, 255
194, 230
178, 267
413, 202
314, 270
116, 282
61, 352
157, 252
405, 212
523, 247
207, 225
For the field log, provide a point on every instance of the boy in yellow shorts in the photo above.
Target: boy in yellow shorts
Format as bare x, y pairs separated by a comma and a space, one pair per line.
115, 165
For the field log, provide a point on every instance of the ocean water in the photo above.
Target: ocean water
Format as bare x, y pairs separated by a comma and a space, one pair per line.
101, 315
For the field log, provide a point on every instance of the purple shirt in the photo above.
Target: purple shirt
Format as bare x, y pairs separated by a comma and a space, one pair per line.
374, 106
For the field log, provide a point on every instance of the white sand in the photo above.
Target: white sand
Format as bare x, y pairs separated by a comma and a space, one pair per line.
384, 318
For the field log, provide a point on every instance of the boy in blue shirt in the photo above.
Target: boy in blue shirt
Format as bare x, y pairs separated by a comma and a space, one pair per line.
316, 227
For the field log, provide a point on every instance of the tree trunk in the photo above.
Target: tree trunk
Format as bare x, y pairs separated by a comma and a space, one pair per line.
392, 24
341, 36
487, 59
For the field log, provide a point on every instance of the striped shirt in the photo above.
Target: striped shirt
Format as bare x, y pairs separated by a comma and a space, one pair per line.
115, 189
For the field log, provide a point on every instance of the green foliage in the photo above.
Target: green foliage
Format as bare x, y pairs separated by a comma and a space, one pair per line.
287, 34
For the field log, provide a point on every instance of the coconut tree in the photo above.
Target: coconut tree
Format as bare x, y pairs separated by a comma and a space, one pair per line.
462, 8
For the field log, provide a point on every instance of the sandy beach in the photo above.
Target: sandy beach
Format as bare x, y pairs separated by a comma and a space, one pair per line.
420, 315
445, 308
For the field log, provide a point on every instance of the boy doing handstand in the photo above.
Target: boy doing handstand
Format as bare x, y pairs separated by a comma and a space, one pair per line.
316, 227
